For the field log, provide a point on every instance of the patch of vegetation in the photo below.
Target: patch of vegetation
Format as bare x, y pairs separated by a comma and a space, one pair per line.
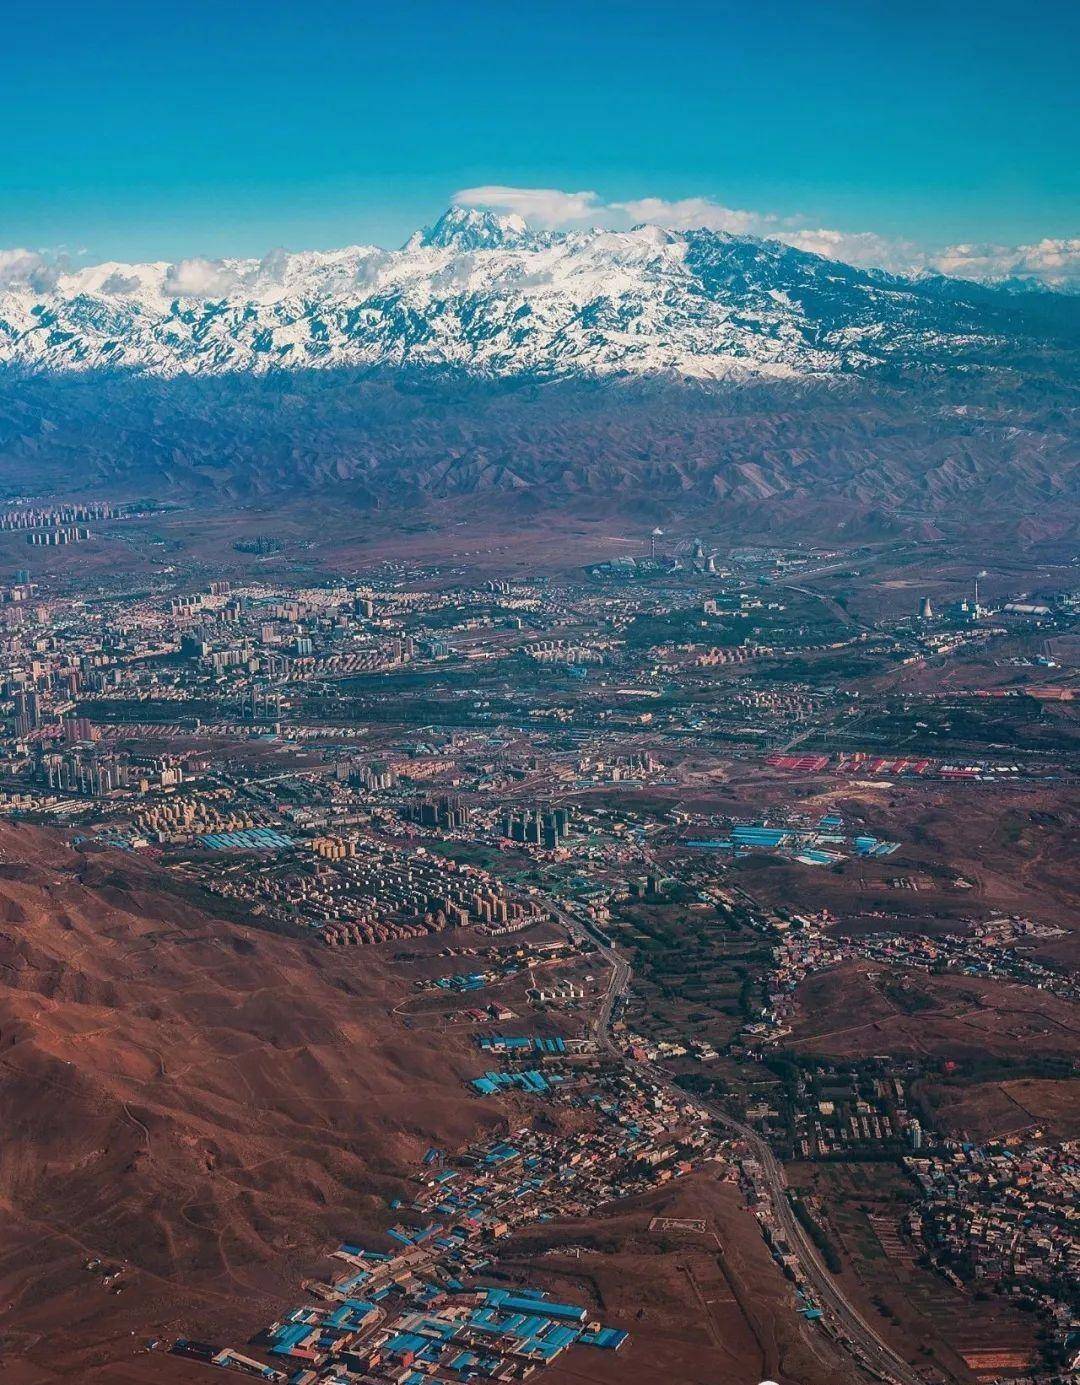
829, 1253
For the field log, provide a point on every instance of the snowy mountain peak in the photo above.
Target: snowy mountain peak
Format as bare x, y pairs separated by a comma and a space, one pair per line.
469, 228
481, 294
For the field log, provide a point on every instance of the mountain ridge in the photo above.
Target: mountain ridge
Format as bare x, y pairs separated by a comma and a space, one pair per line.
484, 295
690, 368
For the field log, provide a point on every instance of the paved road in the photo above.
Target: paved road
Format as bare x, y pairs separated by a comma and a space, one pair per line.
865, 1343
853, 1332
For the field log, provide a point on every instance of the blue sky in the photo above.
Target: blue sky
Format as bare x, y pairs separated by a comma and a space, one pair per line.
162, 131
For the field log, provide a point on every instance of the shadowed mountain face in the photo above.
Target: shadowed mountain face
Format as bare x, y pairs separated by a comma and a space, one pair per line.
692, 367
373, 441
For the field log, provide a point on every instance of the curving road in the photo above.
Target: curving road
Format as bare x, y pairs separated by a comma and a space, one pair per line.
852, 1331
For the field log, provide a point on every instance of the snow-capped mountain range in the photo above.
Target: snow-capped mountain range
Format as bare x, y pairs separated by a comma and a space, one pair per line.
484, 294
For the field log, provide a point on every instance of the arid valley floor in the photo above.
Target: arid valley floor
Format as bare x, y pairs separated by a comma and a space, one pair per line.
478, 949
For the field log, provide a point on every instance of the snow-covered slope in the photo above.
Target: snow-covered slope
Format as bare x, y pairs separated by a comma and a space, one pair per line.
486, 295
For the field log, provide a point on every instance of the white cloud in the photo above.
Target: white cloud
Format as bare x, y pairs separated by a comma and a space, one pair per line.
27, 269
199, 279
549, 207
1052, 262
862, 248
1055, 263
694, 213
545, 207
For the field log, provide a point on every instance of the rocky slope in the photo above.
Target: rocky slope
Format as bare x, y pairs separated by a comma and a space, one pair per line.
207, 1104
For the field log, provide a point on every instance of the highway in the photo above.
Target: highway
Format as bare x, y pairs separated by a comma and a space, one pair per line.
851, 1330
